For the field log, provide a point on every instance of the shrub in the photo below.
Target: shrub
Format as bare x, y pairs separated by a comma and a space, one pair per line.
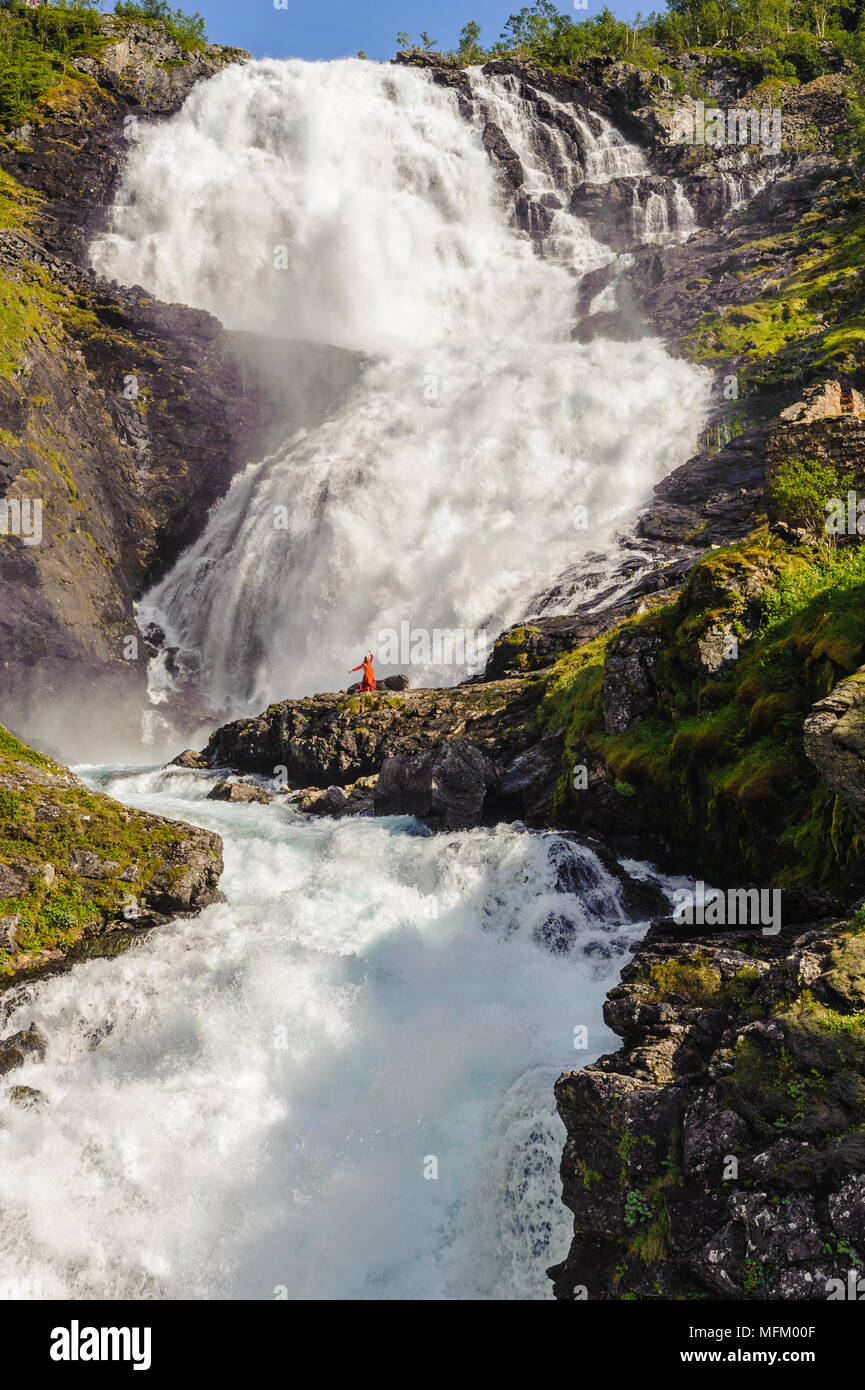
188, 31
801, 490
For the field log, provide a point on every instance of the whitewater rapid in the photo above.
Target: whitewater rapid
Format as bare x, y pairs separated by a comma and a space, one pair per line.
482, 450
244, 1105
247, 1105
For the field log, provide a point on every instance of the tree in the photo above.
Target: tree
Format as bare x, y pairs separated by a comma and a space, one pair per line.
803, 490
470, 50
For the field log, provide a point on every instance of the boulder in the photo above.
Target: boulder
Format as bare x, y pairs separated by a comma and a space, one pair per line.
525, 789
229, 789
188, 758
446, 787
21, 1047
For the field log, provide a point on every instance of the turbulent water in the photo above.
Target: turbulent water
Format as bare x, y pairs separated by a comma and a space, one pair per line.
247, 1103
352, 203
338, 1083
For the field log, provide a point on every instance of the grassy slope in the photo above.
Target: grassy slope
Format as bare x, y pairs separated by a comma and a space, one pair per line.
722, 762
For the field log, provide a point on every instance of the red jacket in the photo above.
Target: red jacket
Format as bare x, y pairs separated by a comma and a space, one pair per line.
368, 682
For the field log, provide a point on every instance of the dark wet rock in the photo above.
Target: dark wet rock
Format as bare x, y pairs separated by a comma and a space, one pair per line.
446, 788
502, 155
190, 759
710, 1135
230, 789
629, 689
27, 1097
526, 786
18, 1048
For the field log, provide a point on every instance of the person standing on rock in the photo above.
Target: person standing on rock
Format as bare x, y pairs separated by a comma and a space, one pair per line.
368, 681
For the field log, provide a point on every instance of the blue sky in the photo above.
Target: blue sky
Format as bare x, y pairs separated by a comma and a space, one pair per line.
337, 28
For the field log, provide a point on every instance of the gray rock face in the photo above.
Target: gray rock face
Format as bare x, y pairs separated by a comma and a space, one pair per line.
834, 737
503, 155
629, 687
446, 787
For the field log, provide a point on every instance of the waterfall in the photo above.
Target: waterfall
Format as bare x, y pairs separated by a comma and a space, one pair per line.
249, 1102
338, 1081
483, 450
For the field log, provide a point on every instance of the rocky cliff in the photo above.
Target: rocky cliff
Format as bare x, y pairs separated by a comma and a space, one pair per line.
124, 418
719, 1153
703, 710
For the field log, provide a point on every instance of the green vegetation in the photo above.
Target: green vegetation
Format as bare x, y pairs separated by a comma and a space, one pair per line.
27, 306
790, 40
721, 762
38, 47
812, 315
801, 490
45, 821
188, 31
637, 1208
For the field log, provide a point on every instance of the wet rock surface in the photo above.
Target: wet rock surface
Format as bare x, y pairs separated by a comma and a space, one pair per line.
718, 1153
452, 757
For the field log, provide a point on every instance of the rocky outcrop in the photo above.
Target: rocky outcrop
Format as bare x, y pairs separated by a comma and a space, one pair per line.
827, 426
78, 871
834, 737
454, 757
715, 1154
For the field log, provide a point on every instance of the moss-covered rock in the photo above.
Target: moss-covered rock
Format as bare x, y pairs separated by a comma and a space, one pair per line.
748, 1056
75, 864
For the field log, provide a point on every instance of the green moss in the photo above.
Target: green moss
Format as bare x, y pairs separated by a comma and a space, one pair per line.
812, 315
43, 821
721, 763
693, 980
29, 306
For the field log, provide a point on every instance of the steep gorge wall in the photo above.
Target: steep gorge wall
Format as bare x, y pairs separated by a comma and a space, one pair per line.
126, 418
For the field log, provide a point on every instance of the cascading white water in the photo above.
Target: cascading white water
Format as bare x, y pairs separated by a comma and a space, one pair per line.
248, 1103
351, 203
